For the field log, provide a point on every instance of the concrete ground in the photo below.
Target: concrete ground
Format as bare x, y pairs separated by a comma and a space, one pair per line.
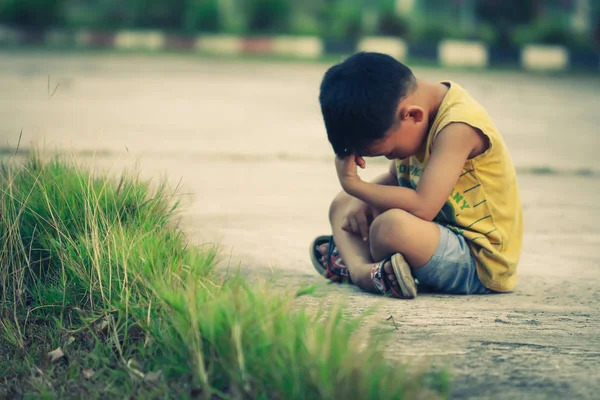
246, 139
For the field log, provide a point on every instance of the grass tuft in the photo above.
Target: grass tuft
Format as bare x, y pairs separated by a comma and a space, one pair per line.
99, 268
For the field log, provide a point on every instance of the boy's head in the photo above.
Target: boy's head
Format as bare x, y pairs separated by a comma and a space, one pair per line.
361, 104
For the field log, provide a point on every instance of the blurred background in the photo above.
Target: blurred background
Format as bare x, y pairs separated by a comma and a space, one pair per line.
245, 134
501, 23
119, 83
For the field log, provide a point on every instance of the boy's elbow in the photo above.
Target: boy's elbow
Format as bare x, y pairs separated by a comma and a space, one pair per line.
426, 207
425, 213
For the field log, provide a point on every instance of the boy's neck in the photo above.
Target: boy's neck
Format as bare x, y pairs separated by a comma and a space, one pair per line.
430, 96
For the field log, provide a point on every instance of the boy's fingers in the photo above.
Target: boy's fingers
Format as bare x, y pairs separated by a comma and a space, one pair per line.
363, 226
354, 225
346, 224
361, 162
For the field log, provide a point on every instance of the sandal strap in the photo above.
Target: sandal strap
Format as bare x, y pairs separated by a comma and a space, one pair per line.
335, 264
378, 277
382, 282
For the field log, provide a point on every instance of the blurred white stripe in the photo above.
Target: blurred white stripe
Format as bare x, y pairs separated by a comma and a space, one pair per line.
220, 44
305, 47
544, 57
456, 53
129, 40
394, 47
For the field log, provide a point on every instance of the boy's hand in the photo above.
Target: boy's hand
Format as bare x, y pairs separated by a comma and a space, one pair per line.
347, 171
358, 218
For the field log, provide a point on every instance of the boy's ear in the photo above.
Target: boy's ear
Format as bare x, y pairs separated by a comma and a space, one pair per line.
416, 113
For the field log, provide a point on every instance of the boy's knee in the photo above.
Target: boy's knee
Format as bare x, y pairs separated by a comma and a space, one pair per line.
339, 203
389, 228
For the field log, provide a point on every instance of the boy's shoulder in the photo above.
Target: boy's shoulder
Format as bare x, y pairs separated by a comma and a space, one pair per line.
460, 106
459, 100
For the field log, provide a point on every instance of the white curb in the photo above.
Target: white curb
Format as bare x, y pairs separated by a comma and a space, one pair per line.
457, 53
302, 47
129, 40
544, 58
220, 44
394, 47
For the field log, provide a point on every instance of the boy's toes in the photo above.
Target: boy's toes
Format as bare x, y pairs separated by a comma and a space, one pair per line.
324, 249
389, 271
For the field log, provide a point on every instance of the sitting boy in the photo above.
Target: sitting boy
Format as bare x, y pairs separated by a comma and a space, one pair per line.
447, 214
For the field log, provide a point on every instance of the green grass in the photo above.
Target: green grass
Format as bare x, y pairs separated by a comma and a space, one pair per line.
99, 267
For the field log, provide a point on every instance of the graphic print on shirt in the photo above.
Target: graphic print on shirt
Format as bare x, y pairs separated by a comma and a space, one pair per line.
451, 209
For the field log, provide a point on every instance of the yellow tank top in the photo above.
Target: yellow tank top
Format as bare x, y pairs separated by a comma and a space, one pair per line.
484, 206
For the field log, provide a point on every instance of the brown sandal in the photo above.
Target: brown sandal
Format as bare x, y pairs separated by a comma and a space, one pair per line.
407, 289
334, 269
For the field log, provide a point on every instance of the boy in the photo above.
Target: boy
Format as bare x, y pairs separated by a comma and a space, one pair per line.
447, 214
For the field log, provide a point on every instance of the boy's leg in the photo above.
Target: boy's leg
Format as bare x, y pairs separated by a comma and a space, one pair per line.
352, 248
394, 231
397, 231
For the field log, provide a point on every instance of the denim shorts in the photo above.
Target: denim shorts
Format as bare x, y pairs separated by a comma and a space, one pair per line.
452, 268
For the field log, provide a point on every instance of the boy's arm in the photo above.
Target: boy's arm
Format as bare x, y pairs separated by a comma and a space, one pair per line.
450, 150
389, 178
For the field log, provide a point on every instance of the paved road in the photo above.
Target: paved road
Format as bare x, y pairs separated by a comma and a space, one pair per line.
183, 106
247, 140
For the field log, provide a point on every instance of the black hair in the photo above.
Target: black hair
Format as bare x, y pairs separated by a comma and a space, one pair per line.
359, 98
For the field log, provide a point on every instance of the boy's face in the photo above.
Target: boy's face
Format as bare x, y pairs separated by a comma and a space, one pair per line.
404, 138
